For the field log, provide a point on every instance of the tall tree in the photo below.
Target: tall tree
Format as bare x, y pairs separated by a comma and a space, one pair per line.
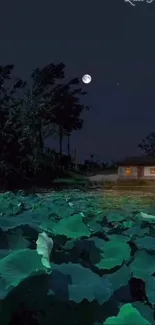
69, 127
59, 103
67, 110
41, 99
12, 147
29, 114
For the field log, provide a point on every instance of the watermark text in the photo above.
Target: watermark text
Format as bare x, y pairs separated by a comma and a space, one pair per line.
133, 2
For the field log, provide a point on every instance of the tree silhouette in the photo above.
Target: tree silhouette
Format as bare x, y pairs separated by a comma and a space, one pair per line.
148, 145
59, 103
42, 93
67, 111
29, 113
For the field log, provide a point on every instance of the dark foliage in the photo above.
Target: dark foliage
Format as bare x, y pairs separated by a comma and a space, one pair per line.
30, 114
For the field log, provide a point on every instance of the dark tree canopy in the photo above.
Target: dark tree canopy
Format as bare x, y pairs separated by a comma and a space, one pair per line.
29, 113
148, 145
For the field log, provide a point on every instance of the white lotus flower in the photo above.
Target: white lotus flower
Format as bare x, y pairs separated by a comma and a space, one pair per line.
44, 248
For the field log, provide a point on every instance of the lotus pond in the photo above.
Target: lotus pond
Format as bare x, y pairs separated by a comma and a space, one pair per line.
74, 257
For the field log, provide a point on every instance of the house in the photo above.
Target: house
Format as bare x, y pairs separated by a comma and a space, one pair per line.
137, 168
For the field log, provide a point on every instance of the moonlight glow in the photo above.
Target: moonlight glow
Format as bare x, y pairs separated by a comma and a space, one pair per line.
86, 78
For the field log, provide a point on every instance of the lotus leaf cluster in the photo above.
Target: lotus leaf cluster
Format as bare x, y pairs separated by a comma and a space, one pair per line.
73, 257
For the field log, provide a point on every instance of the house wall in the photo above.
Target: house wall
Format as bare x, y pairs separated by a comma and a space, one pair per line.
144, 174
147, 172
122, 175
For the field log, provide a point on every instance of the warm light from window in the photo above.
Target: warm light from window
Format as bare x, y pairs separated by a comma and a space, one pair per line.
128, 171
152, 170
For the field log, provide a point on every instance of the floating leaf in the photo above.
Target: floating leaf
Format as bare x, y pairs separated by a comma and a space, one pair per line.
119, 278
114, 254
142, 265
148, 217
136, 231
118, 238
72, 227
17, 241
150, 289
128, 224
127, 315
113, 217
81, 283
147, 243
17, 266
145, 311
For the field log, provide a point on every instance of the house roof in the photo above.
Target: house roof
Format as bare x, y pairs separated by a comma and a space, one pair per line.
137, 161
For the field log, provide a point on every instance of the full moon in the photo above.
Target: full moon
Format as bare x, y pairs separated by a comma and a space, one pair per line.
86, 78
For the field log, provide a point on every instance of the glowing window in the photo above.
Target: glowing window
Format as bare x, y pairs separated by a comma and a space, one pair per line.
128, 171
152, 170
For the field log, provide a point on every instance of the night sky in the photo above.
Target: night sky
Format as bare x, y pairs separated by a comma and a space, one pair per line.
109, 39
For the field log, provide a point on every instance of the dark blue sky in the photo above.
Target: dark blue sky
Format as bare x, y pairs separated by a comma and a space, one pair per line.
111, 40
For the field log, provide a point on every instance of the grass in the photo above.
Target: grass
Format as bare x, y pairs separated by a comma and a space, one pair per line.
71, 178
77, 180
132, 185
69, 181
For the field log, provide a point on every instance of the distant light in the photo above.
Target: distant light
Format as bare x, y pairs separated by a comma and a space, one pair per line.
86, 78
